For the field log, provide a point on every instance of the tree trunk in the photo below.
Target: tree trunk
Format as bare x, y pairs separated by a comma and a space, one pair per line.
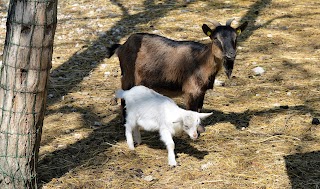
23, 88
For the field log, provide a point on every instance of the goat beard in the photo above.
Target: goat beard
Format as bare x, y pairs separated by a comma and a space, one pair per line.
228, 66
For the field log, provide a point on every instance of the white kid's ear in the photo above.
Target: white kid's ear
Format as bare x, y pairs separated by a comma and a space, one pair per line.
204, 115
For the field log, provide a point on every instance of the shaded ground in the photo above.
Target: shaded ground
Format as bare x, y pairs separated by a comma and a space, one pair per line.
260, 135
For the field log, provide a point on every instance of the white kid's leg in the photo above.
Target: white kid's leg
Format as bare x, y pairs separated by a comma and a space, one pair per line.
129, 136
166, 137
137, 135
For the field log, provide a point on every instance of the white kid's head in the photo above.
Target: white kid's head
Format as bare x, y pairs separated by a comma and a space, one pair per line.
191, 122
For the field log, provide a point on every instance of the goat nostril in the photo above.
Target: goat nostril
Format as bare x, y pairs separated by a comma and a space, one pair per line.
231, 55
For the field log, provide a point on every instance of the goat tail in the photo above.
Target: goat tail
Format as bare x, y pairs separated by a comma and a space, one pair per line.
112, 49
120, 93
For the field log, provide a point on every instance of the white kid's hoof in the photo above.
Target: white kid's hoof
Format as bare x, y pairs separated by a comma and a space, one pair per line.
173, 163
131, 147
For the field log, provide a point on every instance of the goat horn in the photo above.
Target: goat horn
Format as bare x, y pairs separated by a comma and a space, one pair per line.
215, 23
228, 23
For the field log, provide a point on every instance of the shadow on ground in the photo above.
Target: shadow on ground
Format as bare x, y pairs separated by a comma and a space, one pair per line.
242, 119
303, 170
59, 162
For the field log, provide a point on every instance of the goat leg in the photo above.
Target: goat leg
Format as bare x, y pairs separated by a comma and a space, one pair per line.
195, 102
200, 102
129, 136
137, 135
166, 137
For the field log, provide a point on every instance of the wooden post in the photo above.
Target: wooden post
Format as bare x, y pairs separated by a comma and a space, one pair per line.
24, 74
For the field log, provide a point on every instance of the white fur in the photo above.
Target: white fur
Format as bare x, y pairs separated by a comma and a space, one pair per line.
155, 112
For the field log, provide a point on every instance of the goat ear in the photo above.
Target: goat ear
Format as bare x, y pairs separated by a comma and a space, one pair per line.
206, 30
240, 29
204, 115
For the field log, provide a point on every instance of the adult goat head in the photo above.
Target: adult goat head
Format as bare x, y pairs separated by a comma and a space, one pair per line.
225, 37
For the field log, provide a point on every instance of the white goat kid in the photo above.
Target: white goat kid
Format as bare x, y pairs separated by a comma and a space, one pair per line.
155, 112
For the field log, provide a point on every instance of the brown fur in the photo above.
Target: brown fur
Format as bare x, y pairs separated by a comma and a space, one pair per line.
171, 69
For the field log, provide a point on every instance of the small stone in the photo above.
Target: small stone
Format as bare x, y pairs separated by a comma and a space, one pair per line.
148, 178
77, 136
258, 70
276, 105
68, 131
315, 121
206, 166
218, 83
61, 146
269, 35
97, 123
156, 32
50, 95
103, 66
106, 74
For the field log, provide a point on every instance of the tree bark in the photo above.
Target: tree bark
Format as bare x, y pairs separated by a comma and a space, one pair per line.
27, 56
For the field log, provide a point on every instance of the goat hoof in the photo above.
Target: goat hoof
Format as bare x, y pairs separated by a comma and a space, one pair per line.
173, 164
131, 147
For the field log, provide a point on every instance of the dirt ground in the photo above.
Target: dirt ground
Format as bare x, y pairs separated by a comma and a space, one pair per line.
260, 135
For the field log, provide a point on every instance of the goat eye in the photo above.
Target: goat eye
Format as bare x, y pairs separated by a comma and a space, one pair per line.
217, 41
185, 126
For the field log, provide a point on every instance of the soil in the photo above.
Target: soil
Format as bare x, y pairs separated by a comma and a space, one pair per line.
260, 135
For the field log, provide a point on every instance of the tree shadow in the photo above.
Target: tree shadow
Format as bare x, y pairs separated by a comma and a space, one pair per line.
59, 162
303, 170
121, 28
251, 16
242, 119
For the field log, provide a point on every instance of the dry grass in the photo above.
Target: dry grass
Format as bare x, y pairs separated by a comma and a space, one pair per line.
250, 141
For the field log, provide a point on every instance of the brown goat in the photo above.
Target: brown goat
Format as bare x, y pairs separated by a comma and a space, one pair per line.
177, 67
